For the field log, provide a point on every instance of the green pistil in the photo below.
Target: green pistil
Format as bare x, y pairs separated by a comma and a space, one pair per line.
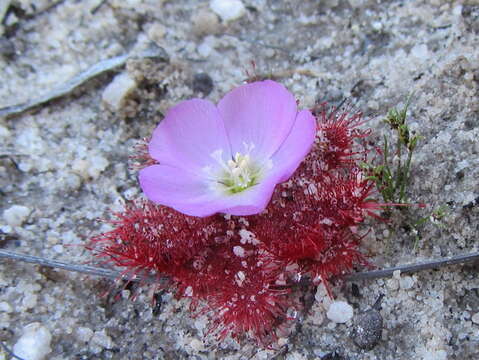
240, 174
233, 187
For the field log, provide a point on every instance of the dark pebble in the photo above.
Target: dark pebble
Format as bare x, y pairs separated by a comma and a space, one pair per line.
355, 290
157, 53
367, 329
460, 175
470, 300
333, 356
202, 83
470, 13
7, 49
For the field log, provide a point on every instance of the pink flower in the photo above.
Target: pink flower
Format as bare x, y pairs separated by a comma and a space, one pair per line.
228, 158
244, 275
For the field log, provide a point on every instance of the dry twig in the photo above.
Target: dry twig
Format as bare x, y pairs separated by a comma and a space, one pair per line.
113, 274
66, 88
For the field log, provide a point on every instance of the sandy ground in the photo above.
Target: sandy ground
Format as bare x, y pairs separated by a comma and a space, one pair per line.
65, 164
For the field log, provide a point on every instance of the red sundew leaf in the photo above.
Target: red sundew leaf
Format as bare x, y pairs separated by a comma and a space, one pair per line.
290, 234
339, 259
295, 225
148, 237
239, 290
256, 309
344, 198
338, 130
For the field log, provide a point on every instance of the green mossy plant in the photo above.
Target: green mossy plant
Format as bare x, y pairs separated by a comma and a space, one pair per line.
392, 176
392, 179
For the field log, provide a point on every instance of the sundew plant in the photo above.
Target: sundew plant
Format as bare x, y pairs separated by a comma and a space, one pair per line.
243, 199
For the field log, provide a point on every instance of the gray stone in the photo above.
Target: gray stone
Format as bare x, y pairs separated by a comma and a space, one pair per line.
202, 83
368, 327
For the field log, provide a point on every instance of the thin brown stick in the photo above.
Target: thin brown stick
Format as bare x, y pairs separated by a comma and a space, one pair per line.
95, 70
411, 268
115, 275
84, 269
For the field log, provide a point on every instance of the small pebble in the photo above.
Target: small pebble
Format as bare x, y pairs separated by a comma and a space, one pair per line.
269, 53
98, 165
228, 10
7, 49
435, 355
201, 323
84, 334
16, 215
392, 284
118, 90
397, 274
6, 229
29, 301
34, 344
367, 329
204, 49
80, 167
156, 33
205, 23
340, 312
197, 345
5, 307
91, 168
282, 341
101, 338
406, 282
4, 132
355, 290
368, 326
475, 318
317, 315
331, 325
202, 83
420, 51
58, 248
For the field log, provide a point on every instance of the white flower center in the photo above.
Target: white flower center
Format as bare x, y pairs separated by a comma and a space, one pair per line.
236, 174
240, 173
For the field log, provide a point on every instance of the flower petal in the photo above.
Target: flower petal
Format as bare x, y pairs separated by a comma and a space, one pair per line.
285, 161
296, 146
193, 142
248, 202
261, 113
188, 135
187, 193
168, 185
